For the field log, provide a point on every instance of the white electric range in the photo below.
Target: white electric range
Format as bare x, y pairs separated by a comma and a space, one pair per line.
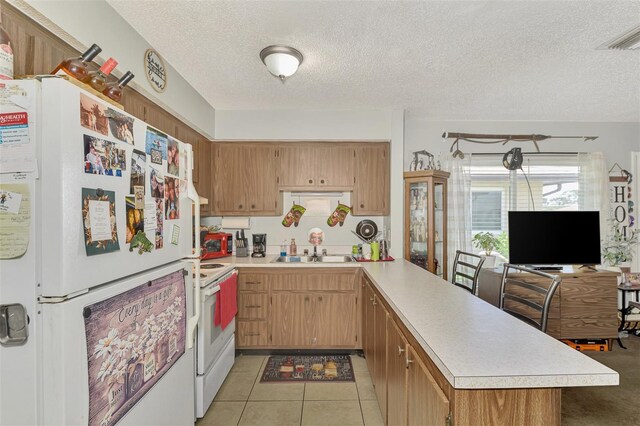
215, 347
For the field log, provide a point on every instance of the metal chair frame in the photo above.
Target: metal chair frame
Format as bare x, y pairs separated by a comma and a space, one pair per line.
476, 271
547, 292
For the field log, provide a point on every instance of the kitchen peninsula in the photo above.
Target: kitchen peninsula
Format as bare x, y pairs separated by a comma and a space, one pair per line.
437, 352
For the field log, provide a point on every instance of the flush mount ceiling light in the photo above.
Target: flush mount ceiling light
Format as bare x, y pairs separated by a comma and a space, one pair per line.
281, 61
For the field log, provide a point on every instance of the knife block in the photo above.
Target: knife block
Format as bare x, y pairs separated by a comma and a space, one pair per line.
242, 251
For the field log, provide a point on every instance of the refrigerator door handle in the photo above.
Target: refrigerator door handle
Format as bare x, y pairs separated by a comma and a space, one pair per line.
195, 259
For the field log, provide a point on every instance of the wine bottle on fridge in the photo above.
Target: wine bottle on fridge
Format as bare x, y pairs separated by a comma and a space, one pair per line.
98, 79
6, 55
114, 90
78, 67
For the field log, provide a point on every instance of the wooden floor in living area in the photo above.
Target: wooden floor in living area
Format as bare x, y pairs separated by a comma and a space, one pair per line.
244, 401
608, 405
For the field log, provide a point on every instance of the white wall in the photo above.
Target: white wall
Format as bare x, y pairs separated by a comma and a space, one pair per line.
616, 140
95, 21
322, 125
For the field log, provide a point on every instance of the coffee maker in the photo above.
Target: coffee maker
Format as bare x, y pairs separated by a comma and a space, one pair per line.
259, 245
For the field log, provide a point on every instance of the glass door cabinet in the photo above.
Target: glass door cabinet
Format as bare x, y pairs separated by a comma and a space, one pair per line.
425, 220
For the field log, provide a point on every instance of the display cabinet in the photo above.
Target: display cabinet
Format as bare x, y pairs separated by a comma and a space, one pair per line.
425, 221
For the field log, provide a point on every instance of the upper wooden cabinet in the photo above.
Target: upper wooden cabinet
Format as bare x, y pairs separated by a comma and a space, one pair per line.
249, 176
318, 166
245, 180
371, 189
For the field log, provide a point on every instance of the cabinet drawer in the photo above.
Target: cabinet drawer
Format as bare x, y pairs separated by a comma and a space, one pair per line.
588, 307
252, 282
343, 281
252, 306
592, 288
251, 333
589, 328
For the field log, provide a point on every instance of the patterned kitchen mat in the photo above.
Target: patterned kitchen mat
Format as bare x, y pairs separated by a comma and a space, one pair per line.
308, 368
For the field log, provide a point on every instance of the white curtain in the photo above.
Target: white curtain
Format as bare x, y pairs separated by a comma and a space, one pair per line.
459, 208
594, 188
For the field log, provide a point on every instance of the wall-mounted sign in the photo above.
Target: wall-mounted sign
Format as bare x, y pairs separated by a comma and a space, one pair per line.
155, 70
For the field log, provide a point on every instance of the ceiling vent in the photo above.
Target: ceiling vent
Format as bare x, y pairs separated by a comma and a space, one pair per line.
630, 40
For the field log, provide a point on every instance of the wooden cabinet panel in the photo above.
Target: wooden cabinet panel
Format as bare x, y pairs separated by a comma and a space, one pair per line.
369, 327
252, 282
292, 319
297, 166
371, 190
253, 305
335, 320
335, 166
203, 185
251, 333
229, 179
426, 403
316, 280
380, 357
396, 376
588, 328
261, 184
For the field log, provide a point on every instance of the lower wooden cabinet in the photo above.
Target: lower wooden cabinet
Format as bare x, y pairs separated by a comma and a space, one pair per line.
380, 356
368, 325
426, 403
251, 333
307, 308
396, 376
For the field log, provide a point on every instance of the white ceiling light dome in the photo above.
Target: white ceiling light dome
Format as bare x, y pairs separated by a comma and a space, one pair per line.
281, 61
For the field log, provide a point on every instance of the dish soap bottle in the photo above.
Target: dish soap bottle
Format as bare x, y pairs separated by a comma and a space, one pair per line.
293, 249
283, 249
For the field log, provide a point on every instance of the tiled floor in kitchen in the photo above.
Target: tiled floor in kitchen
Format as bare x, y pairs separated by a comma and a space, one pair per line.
244, 401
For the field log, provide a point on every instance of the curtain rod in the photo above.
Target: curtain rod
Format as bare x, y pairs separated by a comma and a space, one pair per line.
527, 153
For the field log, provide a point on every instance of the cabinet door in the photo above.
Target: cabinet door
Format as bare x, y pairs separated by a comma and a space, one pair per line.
427, 404
204, 183
396, 376
335, 167
371, 190
297, 166
229, 181
369, 327
380, 357
335, 320
261, 184
292, 319
251, 333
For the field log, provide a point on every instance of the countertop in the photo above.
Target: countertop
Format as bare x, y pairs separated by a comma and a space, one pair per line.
474, 344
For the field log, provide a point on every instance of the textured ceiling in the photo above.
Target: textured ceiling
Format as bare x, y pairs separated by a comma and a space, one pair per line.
447, 60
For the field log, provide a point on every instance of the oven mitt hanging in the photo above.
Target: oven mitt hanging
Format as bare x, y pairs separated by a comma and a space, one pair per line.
293, 216
338, 215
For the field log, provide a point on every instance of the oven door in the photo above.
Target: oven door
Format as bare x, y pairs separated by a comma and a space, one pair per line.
211, 339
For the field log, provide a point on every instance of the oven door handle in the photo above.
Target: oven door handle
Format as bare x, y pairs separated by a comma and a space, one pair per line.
211, 291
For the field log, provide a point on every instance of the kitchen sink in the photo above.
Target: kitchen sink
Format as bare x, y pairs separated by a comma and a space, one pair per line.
311, 259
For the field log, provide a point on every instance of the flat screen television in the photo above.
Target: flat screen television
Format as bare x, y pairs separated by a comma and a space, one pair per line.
554, 238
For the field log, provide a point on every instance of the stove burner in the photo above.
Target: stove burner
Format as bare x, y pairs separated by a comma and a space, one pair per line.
211, 266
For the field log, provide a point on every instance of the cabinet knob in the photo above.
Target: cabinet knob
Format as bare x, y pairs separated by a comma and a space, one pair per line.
240, 206
400, 350
322, 181
253, 206
310, 180
306, 299
409, 362
362, 206
320, 298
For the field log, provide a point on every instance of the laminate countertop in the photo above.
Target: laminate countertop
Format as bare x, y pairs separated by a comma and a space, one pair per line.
474, 344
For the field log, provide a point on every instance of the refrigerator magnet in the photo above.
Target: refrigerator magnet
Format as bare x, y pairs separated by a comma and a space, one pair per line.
175, 235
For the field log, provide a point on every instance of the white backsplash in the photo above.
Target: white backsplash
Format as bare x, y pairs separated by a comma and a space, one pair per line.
337, 240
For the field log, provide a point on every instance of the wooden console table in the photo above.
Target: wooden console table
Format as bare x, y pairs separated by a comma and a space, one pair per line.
585, 305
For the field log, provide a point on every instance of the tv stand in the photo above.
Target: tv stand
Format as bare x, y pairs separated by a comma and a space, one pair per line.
589, 267
553, 268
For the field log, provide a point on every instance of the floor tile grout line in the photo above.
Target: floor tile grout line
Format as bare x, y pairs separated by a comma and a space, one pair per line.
304, 394
359, 400
246, 402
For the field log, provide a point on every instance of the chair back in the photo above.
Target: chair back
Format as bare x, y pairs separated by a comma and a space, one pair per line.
528, 299
466, 269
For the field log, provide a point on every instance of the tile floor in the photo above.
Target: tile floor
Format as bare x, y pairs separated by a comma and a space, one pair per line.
244, 401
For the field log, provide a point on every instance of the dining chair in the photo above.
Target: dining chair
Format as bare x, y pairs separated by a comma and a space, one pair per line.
528, 298
466, 269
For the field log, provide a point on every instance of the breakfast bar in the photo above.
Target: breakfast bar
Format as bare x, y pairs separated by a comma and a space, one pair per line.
478, 364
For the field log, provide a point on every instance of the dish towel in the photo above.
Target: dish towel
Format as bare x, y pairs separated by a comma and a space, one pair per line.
226, 302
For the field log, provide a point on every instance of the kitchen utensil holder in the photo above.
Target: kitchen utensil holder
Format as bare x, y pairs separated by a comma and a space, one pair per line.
242, 251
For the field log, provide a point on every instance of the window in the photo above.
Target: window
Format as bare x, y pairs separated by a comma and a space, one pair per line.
486, 210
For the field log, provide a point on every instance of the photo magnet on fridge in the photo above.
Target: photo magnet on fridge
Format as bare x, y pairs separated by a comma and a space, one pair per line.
138, 170
156, 183
156, 145
103, 157
120, 126
135, 218
93, 115
171, 198
99, 221
173, 157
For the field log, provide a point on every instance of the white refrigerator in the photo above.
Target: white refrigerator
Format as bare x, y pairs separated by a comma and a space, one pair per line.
99, 295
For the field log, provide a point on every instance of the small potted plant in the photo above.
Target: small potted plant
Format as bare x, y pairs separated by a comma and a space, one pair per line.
487, 242
618, 250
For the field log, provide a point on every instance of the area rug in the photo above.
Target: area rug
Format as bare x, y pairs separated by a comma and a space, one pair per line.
308, 368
